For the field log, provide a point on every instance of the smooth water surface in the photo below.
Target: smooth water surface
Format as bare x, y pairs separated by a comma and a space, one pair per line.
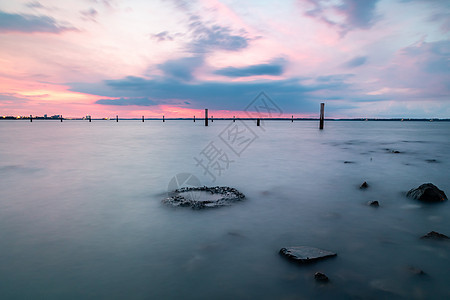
81, 214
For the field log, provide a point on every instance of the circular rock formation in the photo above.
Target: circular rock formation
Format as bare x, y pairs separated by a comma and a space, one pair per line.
427, 192
203, 197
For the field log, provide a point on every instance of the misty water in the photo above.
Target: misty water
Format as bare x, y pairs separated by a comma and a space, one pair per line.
81, 214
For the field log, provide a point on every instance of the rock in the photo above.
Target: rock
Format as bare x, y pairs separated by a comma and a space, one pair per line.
373, 203
427, 192
431, 161
320, 277
435, 236
203, 197
349, 162
364, 185
415, 271
305, 254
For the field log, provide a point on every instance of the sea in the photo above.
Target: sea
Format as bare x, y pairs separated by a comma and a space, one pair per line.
81, 212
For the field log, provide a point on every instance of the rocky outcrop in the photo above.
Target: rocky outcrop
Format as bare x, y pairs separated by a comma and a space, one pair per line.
427, 192
435, 236
373, 203
305, 254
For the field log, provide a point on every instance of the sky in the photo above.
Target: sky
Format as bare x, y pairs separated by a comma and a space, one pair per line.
363, 59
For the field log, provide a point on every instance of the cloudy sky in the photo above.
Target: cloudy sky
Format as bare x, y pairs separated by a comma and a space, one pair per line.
371, 58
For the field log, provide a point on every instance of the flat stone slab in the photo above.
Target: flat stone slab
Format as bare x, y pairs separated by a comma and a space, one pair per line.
203, 197
305, 254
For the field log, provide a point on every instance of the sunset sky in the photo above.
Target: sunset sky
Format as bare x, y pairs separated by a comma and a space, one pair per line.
371, 58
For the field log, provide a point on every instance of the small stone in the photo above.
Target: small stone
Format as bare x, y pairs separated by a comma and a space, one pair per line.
320, 277
431, 161
427, 192
364, 185
373, 203
435, 236
416, 271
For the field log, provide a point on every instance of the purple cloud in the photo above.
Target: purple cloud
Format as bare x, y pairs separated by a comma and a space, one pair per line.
181, 68
30, 23
274, 69
143, 101
356, 62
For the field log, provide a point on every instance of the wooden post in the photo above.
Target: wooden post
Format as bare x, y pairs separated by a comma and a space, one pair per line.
163, 119
31, 118
142, 118
257, 122
117, 118
194, 119
61, 118
322, 107
89, 118
292, 120
234, 120
206, 117
212, 119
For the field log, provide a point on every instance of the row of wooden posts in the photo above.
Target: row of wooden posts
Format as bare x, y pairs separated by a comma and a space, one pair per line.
258, 120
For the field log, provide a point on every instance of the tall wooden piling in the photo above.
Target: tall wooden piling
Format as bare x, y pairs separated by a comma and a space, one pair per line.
89, 118
322, 108
234, 120
212, 119
164, 119
61, 118
31, 118
206, 117
194, 119
292, 120
142, 118
117, 118
258, 121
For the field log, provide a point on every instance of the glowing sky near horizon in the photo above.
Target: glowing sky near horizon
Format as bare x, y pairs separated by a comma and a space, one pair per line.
372, 58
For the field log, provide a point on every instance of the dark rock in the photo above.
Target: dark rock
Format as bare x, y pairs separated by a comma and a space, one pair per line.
392, 151
203, 197
320, 277
435, 236
373, 203
305, 254
427, 192
431, 161
364, 185
349, 162
416, 271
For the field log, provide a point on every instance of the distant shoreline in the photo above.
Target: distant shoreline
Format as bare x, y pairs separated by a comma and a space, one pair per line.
230, 119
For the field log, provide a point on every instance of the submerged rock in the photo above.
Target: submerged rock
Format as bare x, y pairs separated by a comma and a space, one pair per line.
320, 277
373, 203
435, 236
305, 254
364, 185
203, 197
427, 192
415, 271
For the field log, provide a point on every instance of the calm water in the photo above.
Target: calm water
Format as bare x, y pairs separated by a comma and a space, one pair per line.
81, 214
